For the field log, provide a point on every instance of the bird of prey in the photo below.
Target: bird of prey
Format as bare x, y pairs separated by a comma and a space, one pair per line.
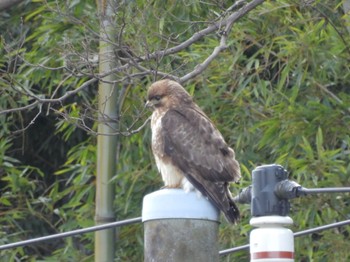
189, 151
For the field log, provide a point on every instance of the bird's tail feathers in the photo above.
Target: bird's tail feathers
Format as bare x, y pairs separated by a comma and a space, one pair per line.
232, 213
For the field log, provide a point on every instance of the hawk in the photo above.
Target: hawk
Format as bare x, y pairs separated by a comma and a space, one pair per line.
189, 151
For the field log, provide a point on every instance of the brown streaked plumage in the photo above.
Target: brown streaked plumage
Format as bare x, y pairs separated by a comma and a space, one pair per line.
188, 149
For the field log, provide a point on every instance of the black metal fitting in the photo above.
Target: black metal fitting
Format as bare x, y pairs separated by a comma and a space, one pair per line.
271, 190
264, 201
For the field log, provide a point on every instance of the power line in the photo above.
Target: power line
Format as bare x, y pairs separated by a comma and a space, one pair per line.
308, 191
139, 219
234, 249
72, 233
321, 228
296, 234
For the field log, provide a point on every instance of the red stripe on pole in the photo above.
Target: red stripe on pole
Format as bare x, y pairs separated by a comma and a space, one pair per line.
273, 254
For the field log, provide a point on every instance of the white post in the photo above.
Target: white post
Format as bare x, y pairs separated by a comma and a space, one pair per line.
179, 227
271, 241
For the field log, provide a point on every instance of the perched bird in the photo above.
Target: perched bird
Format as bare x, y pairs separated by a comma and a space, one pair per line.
189, 151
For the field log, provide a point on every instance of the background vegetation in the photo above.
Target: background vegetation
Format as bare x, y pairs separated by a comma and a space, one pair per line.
279, 92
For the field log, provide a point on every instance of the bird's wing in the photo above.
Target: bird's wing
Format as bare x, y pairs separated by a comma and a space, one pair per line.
197, 147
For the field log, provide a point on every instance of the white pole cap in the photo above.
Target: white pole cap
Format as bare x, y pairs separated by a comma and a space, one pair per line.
176, 203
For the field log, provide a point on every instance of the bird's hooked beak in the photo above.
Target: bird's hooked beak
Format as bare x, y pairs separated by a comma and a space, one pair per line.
149, 104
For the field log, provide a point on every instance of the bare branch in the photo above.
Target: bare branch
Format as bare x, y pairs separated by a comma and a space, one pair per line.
331, 94
222, 46
134, 131
5, 4
202, 33
32, 122
136, 62
80, 123
6, 111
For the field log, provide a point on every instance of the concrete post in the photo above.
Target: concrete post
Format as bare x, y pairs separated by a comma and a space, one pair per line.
179, 227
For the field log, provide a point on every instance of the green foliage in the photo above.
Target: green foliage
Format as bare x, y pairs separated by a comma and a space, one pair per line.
279, 94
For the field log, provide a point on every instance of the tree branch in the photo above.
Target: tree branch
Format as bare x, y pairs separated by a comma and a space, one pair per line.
11, 110
202, 33
5, 4
31, 122
135, 62
222, 46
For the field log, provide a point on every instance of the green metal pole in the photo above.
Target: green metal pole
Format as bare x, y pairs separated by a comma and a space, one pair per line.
106, 144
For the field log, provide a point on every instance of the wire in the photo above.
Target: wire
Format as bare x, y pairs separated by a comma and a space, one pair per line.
324, 190
296, 234
139, 219
72, 233
232, 250
321, 228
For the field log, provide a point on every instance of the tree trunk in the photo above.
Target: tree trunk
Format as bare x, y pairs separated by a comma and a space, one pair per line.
346, 6
106, 144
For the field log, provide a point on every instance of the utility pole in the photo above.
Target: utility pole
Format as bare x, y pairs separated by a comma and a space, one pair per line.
179, 227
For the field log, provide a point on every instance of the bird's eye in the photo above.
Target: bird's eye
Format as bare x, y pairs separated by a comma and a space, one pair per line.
157, 98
